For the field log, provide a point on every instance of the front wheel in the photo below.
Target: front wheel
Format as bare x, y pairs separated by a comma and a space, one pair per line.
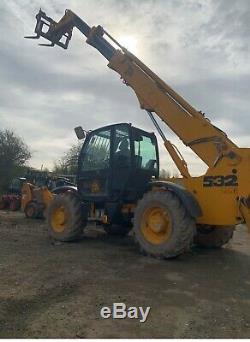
31, 210
65, 218
162, 226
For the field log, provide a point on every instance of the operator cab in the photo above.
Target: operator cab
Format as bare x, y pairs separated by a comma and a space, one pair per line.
116, 163
16, 185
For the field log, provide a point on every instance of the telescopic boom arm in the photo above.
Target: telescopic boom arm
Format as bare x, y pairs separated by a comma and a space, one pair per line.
155, 96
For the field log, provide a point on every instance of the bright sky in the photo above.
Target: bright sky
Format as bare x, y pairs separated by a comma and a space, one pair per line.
200, 48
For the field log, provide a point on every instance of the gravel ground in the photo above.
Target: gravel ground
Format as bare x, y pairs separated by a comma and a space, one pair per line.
57, 290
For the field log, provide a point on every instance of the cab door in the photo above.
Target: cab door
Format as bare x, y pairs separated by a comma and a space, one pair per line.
121, 163
94, 169
146, 160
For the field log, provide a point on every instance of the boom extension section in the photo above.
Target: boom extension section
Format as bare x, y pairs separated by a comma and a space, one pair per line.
207, 141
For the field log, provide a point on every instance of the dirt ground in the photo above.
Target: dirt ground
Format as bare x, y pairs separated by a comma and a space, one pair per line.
57, 290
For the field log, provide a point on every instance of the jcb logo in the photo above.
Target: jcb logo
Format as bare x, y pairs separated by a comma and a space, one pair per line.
230, 180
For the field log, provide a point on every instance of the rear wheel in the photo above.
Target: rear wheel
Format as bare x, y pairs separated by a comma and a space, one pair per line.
162, 226
65, 218
209, 236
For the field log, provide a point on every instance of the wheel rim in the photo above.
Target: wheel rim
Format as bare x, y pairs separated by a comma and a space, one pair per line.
156, 225
59, 219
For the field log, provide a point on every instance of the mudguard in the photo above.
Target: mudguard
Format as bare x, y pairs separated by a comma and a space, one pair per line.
188, 200
64, 188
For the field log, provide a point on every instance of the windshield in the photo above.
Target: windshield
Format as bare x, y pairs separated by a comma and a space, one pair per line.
96, 154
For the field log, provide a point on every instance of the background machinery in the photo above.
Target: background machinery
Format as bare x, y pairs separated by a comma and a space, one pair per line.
33, 192
118, 165
12, 199
37, 196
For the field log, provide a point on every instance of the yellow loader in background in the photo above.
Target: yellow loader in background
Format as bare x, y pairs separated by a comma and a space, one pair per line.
35, 198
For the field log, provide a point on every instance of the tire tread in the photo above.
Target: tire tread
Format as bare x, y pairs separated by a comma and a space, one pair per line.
182, 221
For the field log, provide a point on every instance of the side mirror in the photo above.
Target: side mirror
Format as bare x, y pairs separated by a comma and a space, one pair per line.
80, 133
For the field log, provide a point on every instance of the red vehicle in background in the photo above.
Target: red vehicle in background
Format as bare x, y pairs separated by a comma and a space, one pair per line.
12, 199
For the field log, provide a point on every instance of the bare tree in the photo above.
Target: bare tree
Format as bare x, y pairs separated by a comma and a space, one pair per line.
14, 153
67, 164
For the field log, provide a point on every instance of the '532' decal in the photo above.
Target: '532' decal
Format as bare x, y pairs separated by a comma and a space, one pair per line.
230, 180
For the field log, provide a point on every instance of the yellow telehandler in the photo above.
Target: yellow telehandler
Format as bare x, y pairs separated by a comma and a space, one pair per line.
117, 181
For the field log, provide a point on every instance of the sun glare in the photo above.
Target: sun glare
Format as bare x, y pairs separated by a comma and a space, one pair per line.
129, 42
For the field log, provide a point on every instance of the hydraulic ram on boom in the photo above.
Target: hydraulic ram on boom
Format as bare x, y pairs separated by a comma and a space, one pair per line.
223, 193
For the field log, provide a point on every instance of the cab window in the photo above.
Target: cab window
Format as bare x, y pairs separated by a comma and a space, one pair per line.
96, 155
145, 153
122, 153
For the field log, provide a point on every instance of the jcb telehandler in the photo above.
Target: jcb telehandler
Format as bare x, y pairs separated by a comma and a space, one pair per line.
119, 164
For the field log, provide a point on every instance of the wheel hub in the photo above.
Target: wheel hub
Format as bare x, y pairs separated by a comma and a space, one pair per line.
156, 225
59, 219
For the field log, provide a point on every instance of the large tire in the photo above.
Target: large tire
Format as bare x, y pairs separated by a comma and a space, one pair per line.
213, 236
117, 230
31, 210
34, 210
162, 226
65, 218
